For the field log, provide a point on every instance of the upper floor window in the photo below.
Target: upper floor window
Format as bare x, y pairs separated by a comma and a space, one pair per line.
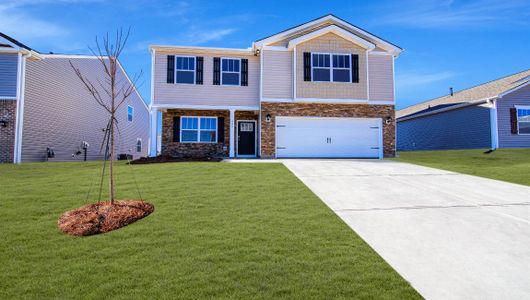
523, 119
198, 129
230, 71
130, 113
185, 69
331, 67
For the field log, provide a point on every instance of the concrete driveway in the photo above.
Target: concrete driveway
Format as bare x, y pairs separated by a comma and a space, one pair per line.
452, 236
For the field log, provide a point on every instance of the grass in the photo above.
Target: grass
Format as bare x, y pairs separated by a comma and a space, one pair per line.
219, 230
512, 165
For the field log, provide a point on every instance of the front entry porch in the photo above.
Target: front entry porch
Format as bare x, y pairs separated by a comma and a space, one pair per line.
194, 133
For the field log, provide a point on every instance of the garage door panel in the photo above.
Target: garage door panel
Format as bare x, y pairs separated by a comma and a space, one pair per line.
327, 137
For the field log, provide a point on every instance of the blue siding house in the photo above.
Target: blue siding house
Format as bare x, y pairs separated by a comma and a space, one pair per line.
492, 115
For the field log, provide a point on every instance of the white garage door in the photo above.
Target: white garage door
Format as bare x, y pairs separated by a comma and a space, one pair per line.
328, 137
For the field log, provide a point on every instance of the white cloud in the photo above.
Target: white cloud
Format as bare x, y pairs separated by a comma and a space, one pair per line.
202, 36
451, 14
407, 80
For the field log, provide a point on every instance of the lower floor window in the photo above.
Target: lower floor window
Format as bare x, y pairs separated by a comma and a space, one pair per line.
138, 145
198, 129
523, 119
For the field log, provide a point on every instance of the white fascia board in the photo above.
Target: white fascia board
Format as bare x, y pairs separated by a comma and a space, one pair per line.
380, 42
205, 107
246, 51
514, 89
132, 84
336, 30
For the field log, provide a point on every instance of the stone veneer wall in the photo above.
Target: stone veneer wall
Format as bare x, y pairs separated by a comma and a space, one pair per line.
177, 149
268, 147
7, 134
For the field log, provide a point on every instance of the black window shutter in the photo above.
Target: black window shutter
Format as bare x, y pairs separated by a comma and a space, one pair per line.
513, 120
171, 69
221, 130
216, 70
199, 62
354, 68
176, 129
244, 72
307, 66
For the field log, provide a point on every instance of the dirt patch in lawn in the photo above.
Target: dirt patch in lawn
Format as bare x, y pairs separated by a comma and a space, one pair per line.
166, 159
103, 217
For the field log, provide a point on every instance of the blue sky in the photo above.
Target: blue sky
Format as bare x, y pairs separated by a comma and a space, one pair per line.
447, 43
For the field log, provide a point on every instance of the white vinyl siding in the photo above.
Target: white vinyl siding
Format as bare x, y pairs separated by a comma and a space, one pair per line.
381, 77
207, 93
277, 74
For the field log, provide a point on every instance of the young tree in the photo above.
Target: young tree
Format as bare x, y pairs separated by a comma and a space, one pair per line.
110, 92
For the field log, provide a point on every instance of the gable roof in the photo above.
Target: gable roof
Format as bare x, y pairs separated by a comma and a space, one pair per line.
15, 42
489, 90
325, 21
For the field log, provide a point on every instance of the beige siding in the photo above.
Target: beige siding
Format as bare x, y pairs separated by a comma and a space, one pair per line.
277, 74
207, 93
330, 43
381, 78
59, 113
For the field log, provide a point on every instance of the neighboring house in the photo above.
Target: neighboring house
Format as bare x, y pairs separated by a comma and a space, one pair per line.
492, 115
43, 104
321, 89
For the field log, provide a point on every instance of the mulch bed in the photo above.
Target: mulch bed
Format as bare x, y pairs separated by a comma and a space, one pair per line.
166, 159
103, 217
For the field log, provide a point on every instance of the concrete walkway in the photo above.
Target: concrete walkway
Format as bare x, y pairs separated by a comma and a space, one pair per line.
452, 236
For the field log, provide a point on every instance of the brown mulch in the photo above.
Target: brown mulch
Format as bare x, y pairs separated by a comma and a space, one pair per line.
166, 159
103, 217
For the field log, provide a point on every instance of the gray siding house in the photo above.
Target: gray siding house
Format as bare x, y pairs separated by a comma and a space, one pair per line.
492, 115
44, 105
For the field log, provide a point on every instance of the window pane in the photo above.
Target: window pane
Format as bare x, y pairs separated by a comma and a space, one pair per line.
225, 65
341, 75
326, 61
189, 135
524, 127
189, 123
208, 136
208, 123
139, 146
191, 63
236, 65
185, 77
230, 79
347, 61
321, 75
179, 63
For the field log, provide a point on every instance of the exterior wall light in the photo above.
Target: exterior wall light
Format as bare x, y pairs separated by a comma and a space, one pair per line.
388, 120
268, 118
3, 123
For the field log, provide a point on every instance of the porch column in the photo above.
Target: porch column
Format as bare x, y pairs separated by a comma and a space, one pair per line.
232, 130
153, 132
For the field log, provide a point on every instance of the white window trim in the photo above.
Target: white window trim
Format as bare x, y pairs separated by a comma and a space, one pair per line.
141, 145
194, 69
221, 69
198, 141
331, 68
517, 108
132, 114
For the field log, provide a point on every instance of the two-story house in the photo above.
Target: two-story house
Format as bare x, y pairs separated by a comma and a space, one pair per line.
47, 114
321, 89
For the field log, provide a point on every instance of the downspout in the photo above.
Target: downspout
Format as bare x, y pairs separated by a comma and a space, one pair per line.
19, 123
494, 125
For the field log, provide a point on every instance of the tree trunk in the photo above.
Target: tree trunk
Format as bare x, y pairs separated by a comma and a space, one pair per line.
111, 161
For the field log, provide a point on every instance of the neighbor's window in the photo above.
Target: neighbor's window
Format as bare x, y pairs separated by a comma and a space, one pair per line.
130, 113
198, 129
523, 120
138, 145
185, 69
230, 71
331, 67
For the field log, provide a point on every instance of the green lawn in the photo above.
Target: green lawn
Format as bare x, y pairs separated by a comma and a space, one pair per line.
511, 165
218, 230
